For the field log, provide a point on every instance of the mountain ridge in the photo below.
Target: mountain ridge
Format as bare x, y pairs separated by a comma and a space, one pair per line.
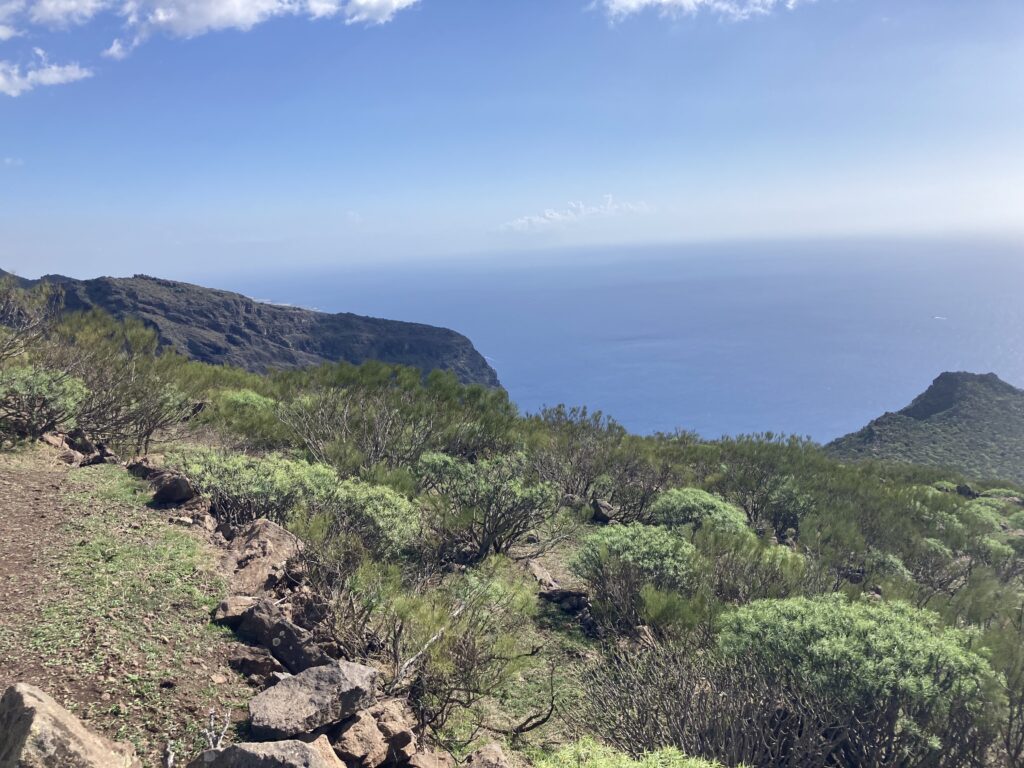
224, 327
972, 422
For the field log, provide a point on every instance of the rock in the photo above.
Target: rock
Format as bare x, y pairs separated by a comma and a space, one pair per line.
265, 624
231, 610
542, 575
396, 723
488, 756
143, 468
171, 488
54, 440
71, 456
281, 754
431, 759
569, 600
603, 511
361, 742
260, 553
318, 697
36, 732
256, 663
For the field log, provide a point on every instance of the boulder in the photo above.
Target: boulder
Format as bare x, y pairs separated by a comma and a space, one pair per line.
258, 555
36, 732
431, 759
265, 624
542, 575
361, 743
602, 511
232, 609
396, 723
54, 440
256, 663
488, 756
318, 697
70, 456
171, 488
280, 754
143, 468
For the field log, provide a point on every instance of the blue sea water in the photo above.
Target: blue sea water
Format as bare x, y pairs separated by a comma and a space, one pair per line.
804, 338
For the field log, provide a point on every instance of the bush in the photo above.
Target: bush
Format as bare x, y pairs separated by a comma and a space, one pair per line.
484, 508
633, 572
697, 508
244, 488
251, 416
588, 753
34, 401
386, 523
913, 689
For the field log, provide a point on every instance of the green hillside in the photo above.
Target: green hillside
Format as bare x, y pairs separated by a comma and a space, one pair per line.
970, 422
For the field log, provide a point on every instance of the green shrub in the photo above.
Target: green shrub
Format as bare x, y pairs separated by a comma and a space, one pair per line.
484, 508
385, 522
244, 488
697, 508
587, 753
630, 570
249, 415
909, 685
34, 401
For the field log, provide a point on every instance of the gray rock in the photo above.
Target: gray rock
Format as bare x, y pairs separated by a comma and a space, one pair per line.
232, 609
258, 555
266, 625
280, 754
318, 697
172, 488
36, 732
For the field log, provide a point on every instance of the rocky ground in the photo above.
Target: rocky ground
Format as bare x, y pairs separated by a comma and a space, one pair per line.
106, 605
132, 617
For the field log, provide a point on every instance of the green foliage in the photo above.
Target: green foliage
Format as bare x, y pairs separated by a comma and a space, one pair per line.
633, 570
484, 508
34, 401
244, 488
587, 753
249, 415
869, 657
971, 423
698, 509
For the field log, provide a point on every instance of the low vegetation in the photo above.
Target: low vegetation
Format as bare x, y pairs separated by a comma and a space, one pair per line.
748, 601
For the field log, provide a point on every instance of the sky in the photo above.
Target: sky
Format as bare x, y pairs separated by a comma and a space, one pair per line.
182, 137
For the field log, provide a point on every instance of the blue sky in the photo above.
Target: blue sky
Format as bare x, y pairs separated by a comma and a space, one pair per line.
176, 136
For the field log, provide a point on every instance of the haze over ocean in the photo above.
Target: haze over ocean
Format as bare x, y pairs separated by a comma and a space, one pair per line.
811, 338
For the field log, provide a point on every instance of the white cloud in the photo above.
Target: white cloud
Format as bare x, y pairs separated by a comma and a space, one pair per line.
574, 214
15, 80
65, 12
6, 32
734, 9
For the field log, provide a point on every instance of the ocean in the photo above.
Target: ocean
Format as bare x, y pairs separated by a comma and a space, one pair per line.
811, 338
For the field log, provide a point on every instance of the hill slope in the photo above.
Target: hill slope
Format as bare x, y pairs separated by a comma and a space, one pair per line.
972, 422
223, 327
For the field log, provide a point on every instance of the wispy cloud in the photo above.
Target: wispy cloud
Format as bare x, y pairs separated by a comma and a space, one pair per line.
575, 214
140, 19
733, 9
11, 162
16, 80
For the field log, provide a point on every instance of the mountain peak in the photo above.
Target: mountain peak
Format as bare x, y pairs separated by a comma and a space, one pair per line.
970, 422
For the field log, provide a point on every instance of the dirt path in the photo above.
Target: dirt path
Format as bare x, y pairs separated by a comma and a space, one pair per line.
105, 605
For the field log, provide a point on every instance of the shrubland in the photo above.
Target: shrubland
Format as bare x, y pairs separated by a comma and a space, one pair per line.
748, 601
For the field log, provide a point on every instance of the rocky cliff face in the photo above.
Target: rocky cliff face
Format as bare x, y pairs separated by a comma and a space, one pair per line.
969, 422
222, 327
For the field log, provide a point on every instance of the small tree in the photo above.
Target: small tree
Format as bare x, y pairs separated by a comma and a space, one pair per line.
638, 574
484, 508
